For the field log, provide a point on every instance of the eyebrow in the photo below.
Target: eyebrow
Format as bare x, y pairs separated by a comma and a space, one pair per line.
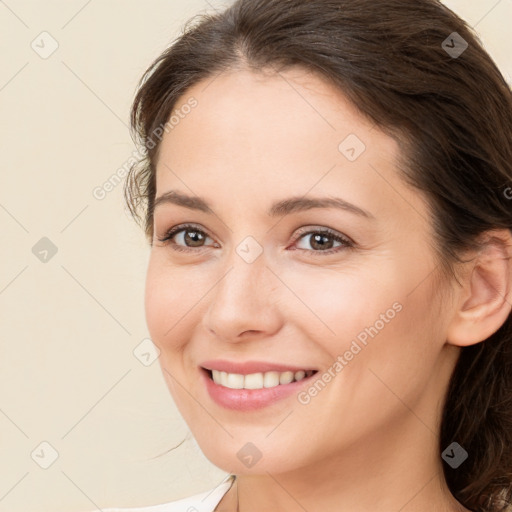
277, 209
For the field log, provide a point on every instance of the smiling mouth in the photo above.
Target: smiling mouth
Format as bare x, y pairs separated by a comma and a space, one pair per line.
271, 379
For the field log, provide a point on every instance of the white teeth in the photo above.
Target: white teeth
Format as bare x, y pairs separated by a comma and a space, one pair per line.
257, 380
286, 377
253, 381
235, 381
270, 379
300, 375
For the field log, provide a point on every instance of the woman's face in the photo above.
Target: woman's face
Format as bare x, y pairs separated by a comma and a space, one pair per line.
260, 289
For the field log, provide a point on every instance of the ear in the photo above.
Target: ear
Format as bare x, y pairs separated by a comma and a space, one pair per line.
485, 299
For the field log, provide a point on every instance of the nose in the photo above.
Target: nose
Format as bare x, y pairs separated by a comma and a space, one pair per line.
244, 303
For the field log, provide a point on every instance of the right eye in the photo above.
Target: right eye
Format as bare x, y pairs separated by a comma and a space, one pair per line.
188, 233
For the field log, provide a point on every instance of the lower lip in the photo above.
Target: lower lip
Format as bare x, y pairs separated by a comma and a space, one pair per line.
249, 399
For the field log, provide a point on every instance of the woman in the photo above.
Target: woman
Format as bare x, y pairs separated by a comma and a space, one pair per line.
327, 195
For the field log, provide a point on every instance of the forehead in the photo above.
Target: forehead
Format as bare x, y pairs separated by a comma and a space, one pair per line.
289, 133
259, 115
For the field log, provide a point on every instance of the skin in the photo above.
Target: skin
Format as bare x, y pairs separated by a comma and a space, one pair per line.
369, 440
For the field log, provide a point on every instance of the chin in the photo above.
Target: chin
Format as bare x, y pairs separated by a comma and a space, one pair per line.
250, 457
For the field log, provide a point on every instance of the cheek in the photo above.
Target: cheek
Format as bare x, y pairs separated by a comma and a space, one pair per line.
370, 319
384, 339
165, 304
334, 306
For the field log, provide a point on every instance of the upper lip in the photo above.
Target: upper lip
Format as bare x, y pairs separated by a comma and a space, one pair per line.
248, 367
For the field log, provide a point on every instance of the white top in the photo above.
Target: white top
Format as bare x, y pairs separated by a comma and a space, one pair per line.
203, 502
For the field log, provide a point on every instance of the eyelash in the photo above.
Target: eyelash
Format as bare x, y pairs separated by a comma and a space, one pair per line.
324, 231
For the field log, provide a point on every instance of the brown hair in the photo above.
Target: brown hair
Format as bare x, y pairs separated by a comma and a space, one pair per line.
452, 118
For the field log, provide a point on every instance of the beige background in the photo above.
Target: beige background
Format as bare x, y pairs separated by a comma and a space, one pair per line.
70, 325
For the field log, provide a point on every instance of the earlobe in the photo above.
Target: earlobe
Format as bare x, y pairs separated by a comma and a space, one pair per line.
486, 297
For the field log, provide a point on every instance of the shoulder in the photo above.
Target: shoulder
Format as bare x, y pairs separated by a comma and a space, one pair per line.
202, 502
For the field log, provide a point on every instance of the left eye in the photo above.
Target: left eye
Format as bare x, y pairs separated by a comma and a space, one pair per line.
321, 240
